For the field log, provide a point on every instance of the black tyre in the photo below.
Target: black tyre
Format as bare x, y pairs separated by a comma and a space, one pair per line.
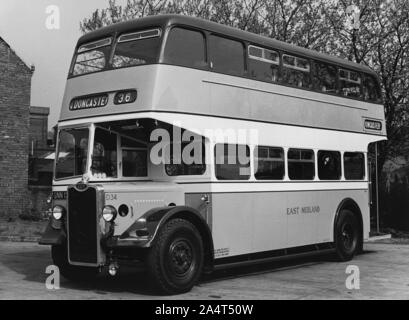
175, 261
347, 235
75, 273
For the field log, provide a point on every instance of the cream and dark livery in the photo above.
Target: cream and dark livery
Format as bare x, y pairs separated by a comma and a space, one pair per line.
111, 202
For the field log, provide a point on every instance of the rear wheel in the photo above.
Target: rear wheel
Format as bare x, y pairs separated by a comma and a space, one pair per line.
347, 235
76, 273
175, 262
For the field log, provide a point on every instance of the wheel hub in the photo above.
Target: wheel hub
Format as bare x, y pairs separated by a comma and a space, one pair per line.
347, 236
181, 257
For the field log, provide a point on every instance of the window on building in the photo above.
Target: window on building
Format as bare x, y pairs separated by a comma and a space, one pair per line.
296, 71
329, 165
354, 166
232, 162
269, 163
226, 55
263, 64
350, 83
185, 48
325, 78
371, 89
301, 164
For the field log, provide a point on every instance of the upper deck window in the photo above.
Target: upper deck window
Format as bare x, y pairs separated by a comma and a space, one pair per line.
263, 64
325, 78
296, 71
371, 89
185, 48
137, 48
92, 57
350, 82
227, 56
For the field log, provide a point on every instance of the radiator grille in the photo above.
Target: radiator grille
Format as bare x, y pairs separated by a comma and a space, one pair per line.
82, 225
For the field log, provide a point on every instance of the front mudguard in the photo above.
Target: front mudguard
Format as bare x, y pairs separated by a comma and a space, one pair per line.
143, 232
53, 235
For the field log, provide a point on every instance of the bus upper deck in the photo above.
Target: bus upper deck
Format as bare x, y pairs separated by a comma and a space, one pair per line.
135, 67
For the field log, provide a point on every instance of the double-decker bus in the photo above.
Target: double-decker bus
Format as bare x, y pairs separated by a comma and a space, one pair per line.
191, 146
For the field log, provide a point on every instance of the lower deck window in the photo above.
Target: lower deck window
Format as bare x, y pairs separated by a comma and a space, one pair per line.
191, 161
301, 165
269, 163
329, 165
134, 163
354, 166
232, 162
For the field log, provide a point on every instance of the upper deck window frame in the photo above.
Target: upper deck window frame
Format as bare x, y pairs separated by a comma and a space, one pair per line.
348, 79
295, 66
94, 45
158, 35
263, 58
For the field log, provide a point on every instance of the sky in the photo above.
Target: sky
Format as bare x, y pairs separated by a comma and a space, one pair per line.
23, 26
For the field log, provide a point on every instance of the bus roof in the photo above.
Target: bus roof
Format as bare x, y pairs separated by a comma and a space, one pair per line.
164, 21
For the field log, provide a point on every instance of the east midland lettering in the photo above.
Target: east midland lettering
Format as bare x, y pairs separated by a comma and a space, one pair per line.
89, 102
301, 210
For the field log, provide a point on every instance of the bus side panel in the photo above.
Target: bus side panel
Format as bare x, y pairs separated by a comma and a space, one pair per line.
246, 223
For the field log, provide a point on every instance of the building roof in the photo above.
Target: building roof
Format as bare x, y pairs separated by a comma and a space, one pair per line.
39, 110
30, 68
164, 21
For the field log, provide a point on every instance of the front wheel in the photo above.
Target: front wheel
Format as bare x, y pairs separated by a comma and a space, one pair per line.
347, 235
175, 262
76, 273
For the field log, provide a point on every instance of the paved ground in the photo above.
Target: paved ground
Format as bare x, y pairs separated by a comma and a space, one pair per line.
384, 274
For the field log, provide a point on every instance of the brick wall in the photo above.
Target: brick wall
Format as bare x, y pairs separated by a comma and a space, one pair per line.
15, 85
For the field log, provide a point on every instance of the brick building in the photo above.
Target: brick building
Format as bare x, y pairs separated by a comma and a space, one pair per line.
15, 86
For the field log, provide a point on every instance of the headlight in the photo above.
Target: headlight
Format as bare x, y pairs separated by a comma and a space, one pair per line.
109, 213
58, 212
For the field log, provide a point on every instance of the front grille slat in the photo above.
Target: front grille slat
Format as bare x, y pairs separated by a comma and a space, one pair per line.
82, 225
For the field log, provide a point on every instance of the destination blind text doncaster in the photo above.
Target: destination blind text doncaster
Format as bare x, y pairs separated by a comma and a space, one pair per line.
88, 102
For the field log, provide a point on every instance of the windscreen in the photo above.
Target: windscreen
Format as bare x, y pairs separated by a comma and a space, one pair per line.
72, 153
131, 49
92, 57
